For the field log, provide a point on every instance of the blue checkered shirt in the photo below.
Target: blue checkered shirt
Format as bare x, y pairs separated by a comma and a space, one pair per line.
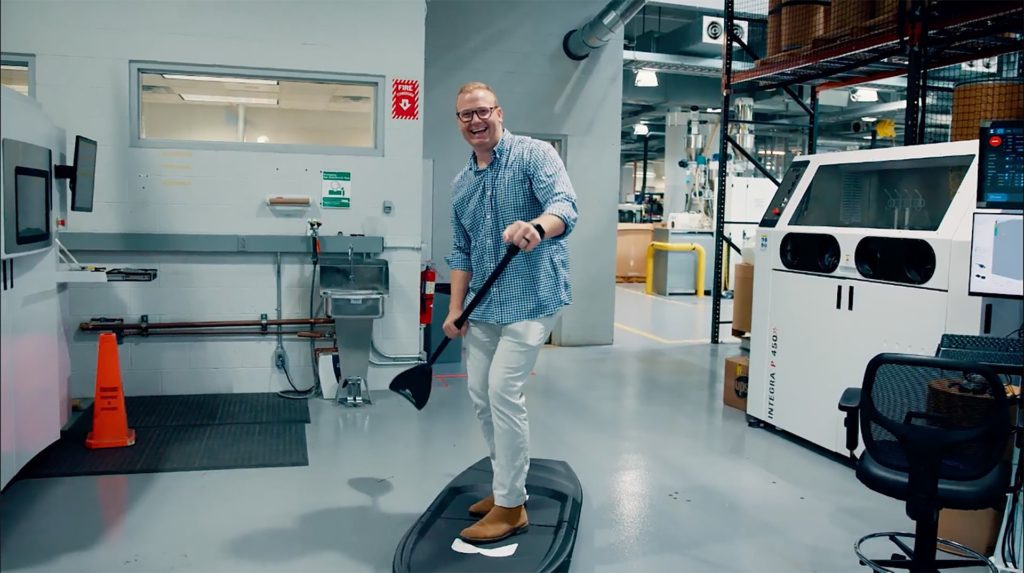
524, 180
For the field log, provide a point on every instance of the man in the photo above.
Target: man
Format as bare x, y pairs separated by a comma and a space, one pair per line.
514, 190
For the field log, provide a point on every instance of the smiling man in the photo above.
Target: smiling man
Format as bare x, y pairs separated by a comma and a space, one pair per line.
513, 190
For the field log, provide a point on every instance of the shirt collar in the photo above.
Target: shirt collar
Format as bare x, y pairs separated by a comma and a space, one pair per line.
497, 153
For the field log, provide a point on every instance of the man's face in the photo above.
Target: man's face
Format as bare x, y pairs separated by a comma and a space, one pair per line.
481, 134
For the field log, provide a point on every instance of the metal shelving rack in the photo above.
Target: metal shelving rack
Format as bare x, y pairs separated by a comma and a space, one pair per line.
926, 35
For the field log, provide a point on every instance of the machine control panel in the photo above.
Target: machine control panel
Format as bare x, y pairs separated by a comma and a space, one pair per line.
1001, 165
781, 199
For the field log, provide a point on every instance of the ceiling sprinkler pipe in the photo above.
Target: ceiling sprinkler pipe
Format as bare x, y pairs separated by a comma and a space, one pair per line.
578, 43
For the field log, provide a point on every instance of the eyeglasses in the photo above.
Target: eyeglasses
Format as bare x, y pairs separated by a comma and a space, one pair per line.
466, 115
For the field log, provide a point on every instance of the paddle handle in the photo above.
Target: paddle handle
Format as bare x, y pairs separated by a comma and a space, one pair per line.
510, 253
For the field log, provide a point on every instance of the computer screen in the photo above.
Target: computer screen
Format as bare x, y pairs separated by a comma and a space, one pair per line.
997, 255
32, 213
83, 182
1001, 165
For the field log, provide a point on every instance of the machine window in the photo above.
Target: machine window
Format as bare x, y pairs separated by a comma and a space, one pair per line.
203, 107
911, 194
16, 73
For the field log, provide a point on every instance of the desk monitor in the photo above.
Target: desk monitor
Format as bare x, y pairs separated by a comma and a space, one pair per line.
997, 255
1001, 165
83, 182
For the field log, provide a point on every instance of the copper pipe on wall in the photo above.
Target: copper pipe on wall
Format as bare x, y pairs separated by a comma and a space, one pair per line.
208, 332
114, 326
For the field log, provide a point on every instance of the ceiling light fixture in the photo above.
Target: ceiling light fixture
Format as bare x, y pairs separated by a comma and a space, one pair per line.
646, 78
869, 118
224, 79
641, 129
714, 110
864, 94
229, 99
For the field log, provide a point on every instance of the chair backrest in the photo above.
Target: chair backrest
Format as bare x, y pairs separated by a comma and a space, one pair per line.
949, 419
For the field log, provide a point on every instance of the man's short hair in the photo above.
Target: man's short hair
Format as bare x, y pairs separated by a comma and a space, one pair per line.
473, 86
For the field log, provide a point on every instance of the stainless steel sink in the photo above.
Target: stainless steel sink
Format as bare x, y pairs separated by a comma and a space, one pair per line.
353, 290
342, 273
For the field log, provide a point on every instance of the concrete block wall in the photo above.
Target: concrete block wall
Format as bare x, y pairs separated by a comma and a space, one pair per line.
83, 50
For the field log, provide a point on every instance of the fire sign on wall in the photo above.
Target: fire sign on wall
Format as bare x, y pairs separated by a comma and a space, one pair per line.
405, 99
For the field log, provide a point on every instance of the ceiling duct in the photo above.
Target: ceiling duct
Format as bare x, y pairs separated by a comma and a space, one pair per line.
578, 43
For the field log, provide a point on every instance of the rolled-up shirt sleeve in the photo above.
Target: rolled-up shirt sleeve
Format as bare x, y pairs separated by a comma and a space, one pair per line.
459, 259
552, 187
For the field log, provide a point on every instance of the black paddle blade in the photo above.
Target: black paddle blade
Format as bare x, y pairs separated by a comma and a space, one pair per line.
414, 384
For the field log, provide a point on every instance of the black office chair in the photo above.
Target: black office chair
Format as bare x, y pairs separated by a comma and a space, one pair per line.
936, 433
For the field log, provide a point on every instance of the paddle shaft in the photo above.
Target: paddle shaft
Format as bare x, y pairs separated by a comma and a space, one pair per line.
511, 252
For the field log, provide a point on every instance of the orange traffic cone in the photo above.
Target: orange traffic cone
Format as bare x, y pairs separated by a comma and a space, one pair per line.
109, 418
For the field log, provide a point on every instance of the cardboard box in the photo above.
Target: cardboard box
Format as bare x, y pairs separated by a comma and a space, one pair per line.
975, 529
734, 391
631, 250
743, 297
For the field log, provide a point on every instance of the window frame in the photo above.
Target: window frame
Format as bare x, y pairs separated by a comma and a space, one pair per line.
137, 68
561, 138
28, 60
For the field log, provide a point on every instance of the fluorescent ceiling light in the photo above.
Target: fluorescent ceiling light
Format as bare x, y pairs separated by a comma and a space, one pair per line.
225, 79
229, 99
864, 94
646, 78
641, 129
869, 118
714, 110
14, 67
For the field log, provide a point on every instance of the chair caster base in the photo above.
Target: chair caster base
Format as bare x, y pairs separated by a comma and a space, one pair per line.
968, 556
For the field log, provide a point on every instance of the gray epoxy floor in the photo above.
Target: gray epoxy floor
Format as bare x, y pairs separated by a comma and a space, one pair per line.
673, 480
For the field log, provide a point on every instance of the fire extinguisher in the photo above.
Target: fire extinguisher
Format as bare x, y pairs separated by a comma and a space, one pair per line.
427, 278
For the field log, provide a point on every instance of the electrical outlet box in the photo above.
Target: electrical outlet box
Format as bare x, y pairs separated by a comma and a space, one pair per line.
280, 359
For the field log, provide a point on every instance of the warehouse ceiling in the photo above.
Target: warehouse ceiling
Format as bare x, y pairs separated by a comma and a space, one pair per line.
668, 39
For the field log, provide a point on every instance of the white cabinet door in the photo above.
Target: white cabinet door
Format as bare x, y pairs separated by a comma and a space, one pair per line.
888, 318
806, 332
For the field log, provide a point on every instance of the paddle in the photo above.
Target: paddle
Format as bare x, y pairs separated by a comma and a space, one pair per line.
414, 384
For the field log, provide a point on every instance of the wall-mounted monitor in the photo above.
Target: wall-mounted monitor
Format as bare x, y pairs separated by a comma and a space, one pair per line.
83, 182
82, 175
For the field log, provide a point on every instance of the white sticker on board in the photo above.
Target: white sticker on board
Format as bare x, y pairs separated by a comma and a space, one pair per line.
504, 551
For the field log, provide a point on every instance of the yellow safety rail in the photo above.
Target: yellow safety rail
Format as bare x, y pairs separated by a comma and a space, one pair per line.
656, 246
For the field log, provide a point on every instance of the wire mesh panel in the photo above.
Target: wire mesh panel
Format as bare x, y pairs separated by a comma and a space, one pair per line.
925, 404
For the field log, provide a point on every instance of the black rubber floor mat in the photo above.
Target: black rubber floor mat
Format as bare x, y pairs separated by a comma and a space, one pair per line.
176, 448
198, 409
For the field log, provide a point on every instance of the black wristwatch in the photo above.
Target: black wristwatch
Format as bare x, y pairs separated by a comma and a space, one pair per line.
540, 230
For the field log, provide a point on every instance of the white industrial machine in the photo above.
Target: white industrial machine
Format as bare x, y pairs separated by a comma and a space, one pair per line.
34, 402
859, 253
34, 203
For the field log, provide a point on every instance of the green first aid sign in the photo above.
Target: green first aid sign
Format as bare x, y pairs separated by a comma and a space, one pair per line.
336, 190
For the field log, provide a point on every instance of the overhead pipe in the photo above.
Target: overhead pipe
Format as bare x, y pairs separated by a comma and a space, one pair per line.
578, 43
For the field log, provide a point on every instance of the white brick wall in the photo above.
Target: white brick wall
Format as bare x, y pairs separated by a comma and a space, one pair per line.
83, 49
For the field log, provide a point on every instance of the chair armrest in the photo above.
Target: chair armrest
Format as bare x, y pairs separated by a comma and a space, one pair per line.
850, 403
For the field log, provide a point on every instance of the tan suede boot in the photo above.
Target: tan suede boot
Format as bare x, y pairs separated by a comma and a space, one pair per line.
482, 507
499, 523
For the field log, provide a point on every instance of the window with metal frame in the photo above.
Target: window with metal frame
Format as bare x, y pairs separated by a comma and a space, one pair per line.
207, 107
17, 71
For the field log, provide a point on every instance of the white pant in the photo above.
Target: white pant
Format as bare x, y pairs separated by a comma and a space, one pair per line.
499, 360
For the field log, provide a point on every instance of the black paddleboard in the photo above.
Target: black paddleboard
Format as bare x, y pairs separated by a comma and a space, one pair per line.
554, 506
